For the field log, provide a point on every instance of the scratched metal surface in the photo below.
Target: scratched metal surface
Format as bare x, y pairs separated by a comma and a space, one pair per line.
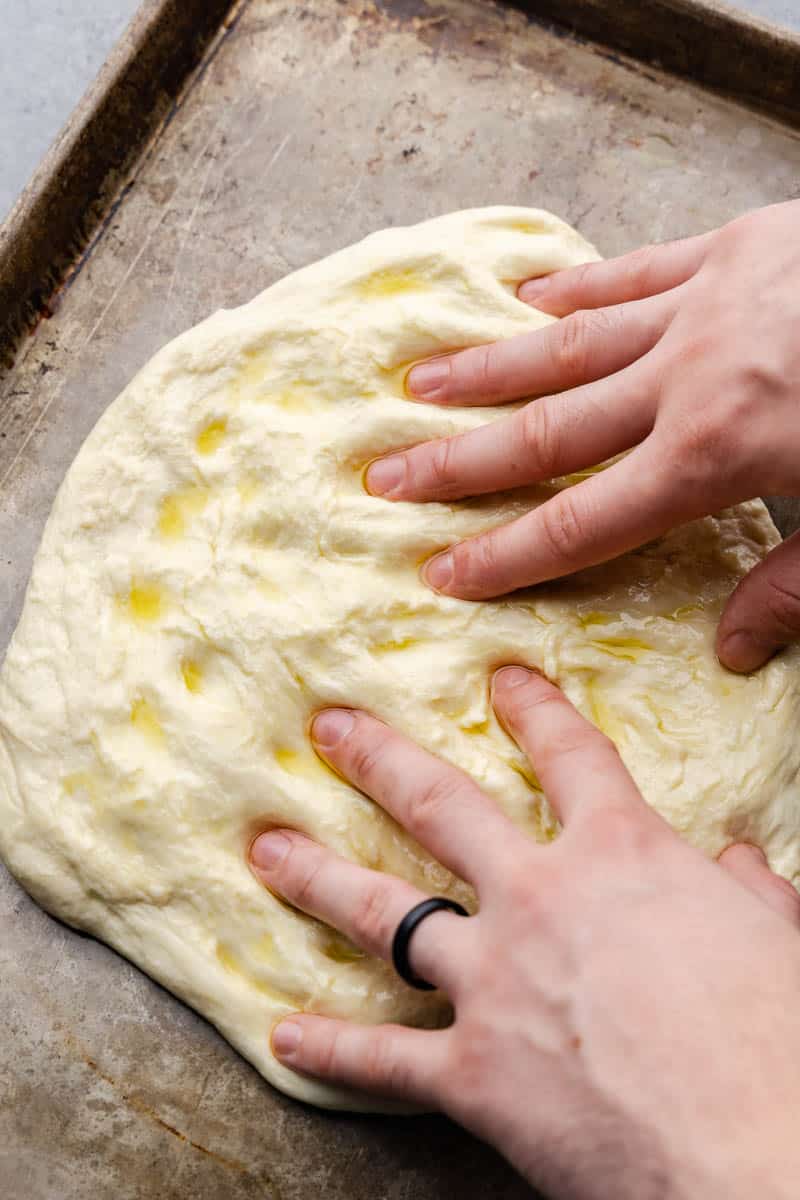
314, 124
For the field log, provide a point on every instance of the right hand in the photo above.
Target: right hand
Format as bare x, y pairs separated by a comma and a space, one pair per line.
626, 1012
686, 354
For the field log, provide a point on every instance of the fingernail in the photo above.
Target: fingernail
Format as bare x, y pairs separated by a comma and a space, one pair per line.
269, 850
286, 1039
531, 291
740, 651
510, 677
331, 726
438, 571
428, 377
755, 852
385, 474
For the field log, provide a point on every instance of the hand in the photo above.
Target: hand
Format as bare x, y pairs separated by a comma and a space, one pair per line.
626, 1019
686, 354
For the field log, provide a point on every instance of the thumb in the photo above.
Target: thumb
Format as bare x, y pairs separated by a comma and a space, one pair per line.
763, 614
749, 865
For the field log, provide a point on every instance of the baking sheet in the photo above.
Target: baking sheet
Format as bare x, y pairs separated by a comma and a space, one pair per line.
312, 124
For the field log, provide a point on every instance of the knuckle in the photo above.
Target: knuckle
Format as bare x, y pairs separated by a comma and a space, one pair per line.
528, 891
427, 806
302, 878
441, 466
464, 1082
477, 561
476, 369
328, 1054
371, 915
563, 527
613, 827
576, 340
704, 448
383, 1068
580, 739
364, 753
782, 603
639, 265
540, 435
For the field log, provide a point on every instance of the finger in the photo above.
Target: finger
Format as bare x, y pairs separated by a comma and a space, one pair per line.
611, 512
365, 905
548, 437
390, 1060
584, 347
577, 765
644, 272
749, 865
439, 805
763, 614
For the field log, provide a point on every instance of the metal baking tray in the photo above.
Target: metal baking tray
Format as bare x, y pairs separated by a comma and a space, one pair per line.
223, 146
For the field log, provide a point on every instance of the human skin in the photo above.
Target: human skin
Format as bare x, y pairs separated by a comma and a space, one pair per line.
626, 1019
687, 355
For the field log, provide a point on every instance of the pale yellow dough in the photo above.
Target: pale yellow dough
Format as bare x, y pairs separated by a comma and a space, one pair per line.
213, 571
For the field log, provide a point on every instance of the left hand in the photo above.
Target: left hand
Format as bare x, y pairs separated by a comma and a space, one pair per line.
625, 1009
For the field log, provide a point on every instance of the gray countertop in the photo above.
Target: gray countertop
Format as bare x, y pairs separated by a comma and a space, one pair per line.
52, 49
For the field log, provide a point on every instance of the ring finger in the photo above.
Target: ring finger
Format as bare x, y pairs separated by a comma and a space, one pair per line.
365, 905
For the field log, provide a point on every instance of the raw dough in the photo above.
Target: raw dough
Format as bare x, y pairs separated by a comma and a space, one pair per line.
213, 571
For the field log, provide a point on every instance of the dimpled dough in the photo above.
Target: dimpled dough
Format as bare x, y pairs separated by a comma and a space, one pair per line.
213, 572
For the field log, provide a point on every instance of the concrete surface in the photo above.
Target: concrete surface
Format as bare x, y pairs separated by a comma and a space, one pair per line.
50, 50
314, 124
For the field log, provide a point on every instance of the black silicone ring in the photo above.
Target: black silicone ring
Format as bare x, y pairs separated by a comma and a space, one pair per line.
405, 930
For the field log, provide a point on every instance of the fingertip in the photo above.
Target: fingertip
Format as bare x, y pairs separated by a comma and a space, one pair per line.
269, 850
438, 571
741, 652
740, 851
509, 677
384, 475
286, 1040
532, 290
331, 726
426, 379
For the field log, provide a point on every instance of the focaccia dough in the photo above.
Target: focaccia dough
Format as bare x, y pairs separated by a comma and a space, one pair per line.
213, 571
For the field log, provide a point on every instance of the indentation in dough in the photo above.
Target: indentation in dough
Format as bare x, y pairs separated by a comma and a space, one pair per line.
178, 508
231, 961
340, 949
526, 772
144, 718
248, 487
586, 620
211, 437
391, 281
545, 827
305, 764
684, 612
603, 715
146, 602
297, 396
192, 674
251, 376
269, 589
475, 727
528, 226
264, 950
629, 648
81, 782
394, 644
